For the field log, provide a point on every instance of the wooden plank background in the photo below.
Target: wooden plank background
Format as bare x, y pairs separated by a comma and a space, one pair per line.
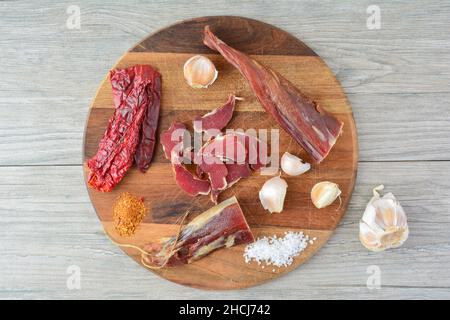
397, 79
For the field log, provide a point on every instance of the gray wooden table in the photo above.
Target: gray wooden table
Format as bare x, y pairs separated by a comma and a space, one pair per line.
397, 79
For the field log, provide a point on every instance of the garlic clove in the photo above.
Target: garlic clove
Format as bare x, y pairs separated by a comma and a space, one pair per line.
384, 223
324, 193
293, 165
368, 236
272, 194
199, 72
385, 213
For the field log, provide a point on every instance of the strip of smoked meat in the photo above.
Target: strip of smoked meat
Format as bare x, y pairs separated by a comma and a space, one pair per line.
311, 126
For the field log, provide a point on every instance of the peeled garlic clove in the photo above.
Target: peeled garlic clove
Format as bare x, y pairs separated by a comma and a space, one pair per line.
293, 165
324, 193
199, 72
384, 223
272, 194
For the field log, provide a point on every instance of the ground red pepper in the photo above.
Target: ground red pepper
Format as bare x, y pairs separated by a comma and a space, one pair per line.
128, 212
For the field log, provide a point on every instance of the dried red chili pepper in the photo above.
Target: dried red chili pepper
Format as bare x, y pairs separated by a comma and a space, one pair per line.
144, 152
120, 141
121, 81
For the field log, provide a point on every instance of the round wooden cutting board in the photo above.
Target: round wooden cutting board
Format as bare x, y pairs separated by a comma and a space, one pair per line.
167, 50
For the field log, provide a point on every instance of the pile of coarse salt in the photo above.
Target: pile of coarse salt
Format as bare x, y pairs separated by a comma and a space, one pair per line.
277, 251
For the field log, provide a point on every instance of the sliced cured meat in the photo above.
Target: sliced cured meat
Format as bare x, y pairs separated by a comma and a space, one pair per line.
257, 156
188, 155
236, 172
217, 173
227, 147
217, 119
172, 139
221, 175
238, 147
309, 125
188, 182
222, 226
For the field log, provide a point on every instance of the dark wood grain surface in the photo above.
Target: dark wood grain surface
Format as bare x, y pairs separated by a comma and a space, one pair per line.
247, 35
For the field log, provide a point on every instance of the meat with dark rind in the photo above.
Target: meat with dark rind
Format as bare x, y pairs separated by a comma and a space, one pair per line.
222, 226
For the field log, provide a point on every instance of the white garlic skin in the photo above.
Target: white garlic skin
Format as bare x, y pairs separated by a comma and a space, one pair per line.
199, 72
272, 194
384, 224
293, 165
324, 193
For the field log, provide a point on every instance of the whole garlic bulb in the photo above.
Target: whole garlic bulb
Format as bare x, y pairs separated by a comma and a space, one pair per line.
272, 194
383, 224
324, 193
199, 72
